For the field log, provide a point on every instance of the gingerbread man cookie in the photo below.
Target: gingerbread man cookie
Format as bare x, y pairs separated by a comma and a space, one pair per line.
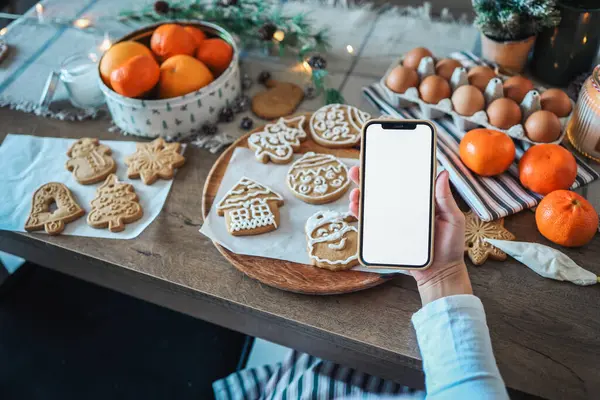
318, 178
115, 205
332, 241
338, 125
40, 217
157, 159
277, 142
279, 100
90, 161
476, 231
250, 208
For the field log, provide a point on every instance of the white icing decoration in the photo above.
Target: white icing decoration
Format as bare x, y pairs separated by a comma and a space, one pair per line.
317, 176
338, 124
279, 140
339, 228
339, 246
248, 205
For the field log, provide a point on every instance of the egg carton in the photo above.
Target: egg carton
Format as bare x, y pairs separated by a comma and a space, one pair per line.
494, 90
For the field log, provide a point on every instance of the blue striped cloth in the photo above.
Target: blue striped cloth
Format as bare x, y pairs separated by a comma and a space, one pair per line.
490, 197
302, 376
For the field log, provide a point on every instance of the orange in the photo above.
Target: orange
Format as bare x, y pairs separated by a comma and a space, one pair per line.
182, 74
545, 168
136, 76
169, 40
216, 54
196, 33
566, 218
487, 152
117, 55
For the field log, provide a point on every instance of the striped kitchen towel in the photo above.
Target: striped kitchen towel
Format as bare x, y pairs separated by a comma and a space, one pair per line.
490, 197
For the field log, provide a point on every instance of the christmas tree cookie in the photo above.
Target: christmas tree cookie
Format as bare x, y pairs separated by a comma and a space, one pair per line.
115, 205
250, 208
40, 216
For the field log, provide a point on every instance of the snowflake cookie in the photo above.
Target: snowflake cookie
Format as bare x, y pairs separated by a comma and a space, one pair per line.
476, 231
250, 208
157, 159
332, 241
277, 142
337, 125
318, 178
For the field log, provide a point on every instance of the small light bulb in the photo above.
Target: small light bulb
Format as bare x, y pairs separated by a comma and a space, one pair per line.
585, 39
350, 49
105, 45
307, 66
39, 8
279, 36
3, 31
82, 23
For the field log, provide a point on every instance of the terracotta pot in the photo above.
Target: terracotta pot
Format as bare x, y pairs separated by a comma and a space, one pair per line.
510, 55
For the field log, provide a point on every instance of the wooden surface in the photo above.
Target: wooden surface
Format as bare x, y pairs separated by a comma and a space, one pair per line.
545, 333
287, 275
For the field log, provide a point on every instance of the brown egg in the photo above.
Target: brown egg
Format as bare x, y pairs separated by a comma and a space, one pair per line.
516, 88
556, 101
542, 126
480, 76
402, 78
413, 57
467, 100
446, 66
433, 89
504, 113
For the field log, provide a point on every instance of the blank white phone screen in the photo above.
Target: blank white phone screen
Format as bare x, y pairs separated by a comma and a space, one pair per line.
398, 179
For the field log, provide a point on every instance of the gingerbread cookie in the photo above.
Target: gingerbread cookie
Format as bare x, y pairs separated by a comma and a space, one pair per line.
318, 178
157, 159
40, 217
277, 142
332, 242
279, 100
476, 231
250, 208
337, 125
90, 161
115, 205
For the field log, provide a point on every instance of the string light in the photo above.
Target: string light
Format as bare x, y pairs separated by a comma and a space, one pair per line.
585, 39
106, 43
3, 31
279, 36
306, 66
39, 10
82, 23
350, 49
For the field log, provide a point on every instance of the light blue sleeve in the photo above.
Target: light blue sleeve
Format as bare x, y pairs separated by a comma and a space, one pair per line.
456, 349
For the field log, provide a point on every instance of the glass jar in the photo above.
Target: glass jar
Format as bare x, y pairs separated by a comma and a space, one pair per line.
79, 74
583, 129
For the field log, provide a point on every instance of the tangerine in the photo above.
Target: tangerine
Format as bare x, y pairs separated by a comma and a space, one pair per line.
196, 33
545, 168
182, 74
169, 40
566, 218
117, 55
216, 54
487, 152
136, 76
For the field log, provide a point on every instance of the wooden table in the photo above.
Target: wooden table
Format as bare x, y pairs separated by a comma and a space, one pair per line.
546, 334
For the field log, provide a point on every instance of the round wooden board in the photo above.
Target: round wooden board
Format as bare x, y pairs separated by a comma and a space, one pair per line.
286, 275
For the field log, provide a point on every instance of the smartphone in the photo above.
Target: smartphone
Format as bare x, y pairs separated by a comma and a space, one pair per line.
397, 207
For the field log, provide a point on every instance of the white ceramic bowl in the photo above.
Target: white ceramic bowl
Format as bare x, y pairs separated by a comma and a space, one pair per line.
181, 116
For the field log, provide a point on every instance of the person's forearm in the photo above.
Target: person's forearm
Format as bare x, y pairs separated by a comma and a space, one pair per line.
449, 282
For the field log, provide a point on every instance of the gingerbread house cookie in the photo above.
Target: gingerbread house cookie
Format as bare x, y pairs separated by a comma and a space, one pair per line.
250, 208
332, 241
337, 125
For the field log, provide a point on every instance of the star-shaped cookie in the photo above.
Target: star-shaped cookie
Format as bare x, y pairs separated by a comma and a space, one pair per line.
157, 159
476, 231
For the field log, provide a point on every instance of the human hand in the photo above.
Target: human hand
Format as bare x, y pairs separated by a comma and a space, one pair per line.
448, 274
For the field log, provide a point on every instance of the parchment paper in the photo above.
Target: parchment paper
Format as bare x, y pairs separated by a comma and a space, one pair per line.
288, 241
27, 162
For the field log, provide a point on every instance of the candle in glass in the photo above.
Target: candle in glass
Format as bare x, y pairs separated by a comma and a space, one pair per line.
79, 73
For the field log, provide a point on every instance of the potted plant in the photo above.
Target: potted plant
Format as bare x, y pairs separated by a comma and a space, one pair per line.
508, 28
